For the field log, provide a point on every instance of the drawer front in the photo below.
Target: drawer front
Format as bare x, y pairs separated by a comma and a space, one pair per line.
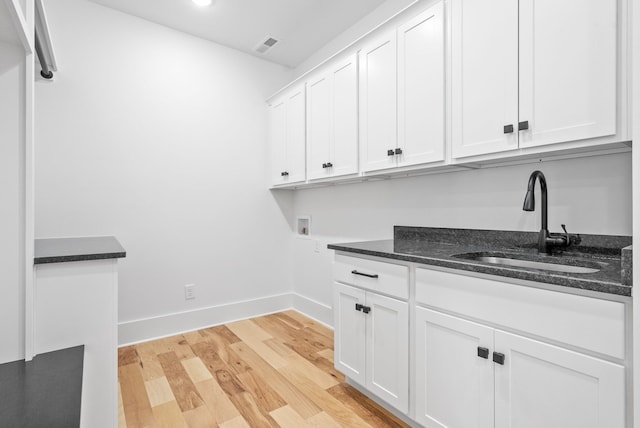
381, 277
586, 322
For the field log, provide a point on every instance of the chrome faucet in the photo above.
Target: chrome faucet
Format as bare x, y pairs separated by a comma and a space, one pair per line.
546, 241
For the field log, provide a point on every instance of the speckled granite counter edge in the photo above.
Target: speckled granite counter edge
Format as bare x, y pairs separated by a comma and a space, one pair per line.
61, 250
627, 265
527, 275
78, 258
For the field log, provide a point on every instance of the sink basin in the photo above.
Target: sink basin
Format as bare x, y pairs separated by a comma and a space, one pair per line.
503, 260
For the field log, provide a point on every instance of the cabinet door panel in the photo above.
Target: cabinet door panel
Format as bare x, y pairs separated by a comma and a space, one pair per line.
296, 135
319, 126
421, 88
345, 118
541, 385
378, 80
449, 374
567, 70
388, 350
277, 141
484, 76
349, 334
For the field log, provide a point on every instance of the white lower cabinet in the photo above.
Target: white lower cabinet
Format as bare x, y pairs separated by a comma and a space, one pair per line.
465, 370
350, 330
485, 353
454, 387
541, 385
372, 342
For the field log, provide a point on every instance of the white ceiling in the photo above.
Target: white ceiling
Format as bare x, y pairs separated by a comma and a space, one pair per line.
301, 26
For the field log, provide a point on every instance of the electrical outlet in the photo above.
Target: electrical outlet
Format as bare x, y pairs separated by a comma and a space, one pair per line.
316, 246
189, 292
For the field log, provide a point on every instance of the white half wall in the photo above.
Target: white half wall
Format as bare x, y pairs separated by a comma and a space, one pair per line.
590, 195
12, 185
160, 139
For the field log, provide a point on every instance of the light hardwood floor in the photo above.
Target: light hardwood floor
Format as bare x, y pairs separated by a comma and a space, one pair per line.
272, 371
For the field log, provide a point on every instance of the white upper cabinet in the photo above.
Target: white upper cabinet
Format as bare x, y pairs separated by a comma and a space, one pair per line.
344, 150
288, 137
332, 121
378, 102
319, 125
421, 86
484, 76
531, 73
402, 100
462, 81
567, 70
278, 146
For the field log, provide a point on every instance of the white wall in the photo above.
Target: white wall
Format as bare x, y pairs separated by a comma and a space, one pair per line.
160, 139
590, 195
12, 126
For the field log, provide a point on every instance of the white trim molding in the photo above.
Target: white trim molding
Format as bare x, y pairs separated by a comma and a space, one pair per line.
313, 309
143, 330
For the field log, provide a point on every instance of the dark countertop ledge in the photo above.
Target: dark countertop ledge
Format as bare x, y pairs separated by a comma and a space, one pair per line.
59, 250
44, 392
437, 246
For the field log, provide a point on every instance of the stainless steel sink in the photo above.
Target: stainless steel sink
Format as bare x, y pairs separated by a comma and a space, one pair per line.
583, 267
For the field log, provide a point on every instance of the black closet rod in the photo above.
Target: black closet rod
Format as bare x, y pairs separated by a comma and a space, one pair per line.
45, 72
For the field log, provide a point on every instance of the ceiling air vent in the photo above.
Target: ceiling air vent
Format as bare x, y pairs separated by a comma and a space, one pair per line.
266, 45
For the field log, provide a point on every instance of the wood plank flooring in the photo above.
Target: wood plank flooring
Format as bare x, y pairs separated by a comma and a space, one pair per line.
272, 371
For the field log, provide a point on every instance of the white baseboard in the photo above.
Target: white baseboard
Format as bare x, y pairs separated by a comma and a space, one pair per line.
313, 309
143, 330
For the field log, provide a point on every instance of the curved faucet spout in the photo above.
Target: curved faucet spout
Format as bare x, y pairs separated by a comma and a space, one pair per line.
529, 199
546, 241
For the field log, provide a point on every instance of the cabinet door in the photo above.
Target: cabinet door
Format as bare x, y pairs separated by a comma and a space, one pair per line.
344, 156
319, 126
388, 350
421, 88
484, 76
349, 332
295, 135
567, 70
278, 146
541, 385
378, 102
453, 385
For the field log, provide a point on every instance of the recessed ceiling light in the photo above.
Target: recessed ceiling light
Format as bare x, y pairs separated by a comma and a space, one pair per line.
202, 2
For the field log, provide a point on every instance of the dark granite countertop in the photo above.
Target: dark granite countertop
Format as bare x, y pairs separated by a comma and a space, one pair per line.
58, 250
44, 392
438, 246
